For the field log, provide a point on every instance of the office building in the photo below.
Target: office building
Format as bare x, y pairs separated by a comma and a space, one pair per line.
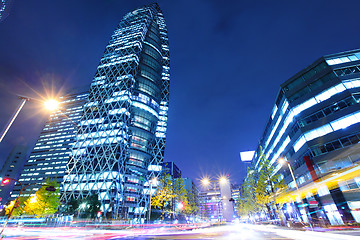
216, 202
171, 169
120, 145
12, 169
315, 126
51, 153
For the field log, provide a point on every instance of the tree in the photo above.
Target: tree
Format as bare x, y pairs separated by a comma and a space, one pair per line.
44, 202
172, 197
72, 206
164, 194
247, 205
19, 207
192, 207
268, 184
259, 186
93, 205
180, 200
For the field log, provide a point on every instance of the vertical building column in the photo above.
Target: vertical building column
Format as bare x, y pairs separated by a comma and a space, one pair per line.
341, 205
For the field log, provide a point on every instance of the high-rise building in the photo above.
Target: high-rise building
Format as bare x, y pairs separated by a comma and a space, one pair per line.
171, 169
5, 6
51, 153
120, 145
216, 202
12, 169
315, 126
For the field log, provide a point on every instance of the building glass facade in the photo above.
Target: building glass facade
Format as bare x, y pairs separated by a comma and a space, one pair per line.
51, 153
121, 140
12, 168
315, 126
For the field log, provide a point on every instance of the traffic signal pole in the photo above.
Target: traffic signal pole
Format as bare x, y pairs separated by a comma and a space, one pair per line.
5, 181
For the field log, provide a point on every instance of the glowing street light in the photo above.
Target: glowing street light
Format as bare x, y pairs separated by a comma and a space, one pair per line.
205, 181
223, 180
225, 195
282, 161
50, 104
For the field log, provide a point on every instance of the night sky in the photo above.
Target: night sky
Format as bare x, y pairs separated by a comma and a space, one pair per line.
228, 59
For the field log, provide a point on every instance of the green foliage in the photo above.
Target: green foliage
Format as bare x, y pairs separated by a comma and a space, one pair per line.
19, 208
94, 205
72, 206
192, 207
164, 193
41, 204
259, 187
45, 202
268, 183
246, 203
86, 208
171, 192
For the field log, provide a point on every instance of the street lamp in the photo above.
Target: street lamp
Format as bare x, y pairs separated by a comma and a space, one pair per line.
22, 188
282, 162
50, 104
151, 182
222, 183
82, 206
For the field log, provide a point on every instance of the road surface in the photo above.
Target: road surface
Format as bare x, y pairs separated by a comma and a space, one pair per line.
225, 232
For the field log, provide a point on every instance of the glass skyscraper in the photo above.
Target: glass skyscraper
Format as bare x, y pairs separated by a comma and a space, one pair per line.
121, 138
51, 153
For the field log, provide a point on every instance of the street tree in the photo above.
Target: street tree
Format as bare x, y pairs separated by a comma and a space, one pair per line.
18, 208
192, 207
164, 195
72, 206
44, 202
247, 204
259, 188
180, 200
93, 205
267, 185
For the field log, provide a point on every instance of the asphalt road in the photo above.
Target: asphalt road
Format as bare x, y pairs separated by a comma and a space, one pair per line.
228, 232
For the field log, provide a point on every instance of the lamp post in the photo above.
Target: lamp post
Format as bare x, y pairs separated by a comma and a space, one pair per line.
22, 188
282, 161
50, 104
151, 182
225, 195
23, 101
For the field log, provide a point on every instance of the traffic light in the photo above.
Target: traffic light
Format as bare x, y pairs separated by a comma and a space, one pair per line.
5, 181
180, 205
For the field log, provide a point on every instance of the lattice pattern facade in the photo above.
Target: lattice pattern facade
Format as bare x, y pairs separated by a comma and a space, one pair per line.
121, 140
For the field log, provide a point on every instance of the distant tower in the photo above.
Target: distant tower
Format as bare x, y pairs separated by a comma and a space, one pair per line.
51, 153
12, 169
121, 143
5, 6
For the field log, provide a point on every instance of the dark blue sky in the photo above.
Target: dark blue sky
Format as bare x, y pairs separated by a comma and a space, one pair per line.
228, 59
